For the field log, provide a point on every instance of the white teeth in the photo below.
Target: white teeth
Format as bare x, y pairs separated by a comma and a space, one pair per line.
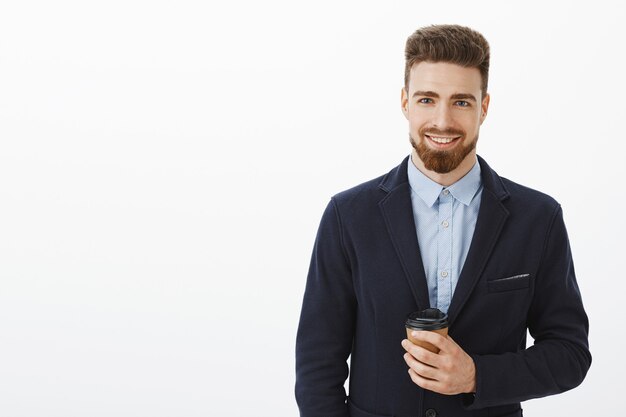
442, 140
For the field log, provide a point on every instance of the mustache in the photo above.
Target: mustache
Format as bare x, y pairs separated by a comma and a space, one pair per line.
445, 132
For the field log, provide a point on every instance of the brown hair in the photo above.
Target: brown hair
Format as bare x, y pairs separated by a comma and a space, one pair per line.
448, 43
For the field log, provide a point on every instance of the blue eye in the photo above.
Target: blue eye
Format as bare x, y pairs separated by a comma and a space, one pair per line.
463, 103
425, 100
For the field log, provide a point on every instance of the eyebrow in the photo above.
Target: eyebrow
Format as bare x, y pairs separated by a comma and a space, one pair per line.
457, 96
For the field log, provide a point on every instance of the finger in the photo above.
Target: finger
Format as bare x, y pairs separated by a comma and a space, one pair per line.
422, 369
421, 354
451, 340
433, 338
425, 383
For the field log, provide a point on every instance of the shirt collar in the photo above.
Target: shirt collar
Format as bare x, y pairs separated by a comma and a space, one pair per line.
428, 190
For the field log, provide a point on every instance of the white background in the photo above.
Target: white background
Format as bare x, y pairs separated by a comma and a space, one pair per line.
164, 166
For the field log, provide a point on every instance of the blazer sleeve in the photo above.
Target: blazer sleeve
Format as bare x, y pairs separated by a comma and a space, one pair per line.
559, 358
326, 328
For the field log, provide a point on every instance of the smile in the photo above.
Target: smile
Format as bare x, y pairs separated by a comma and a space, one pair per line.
442, 140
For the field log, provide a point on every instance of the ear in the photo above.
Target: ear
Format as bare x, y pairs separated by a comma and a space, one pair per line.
404, 103
484, 106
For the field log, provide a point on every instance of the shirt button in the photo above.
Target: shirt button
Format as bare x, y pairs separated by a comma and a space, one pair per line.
444, 273
431, 413
445, 223
445, 192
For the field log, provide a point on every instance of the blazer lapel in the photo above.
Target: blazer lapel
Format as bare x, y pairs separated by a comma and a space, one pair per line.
398, 213
491, 218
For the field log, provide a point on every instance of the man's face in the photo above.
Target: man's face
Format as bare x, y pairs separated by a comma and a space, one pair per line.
445, 110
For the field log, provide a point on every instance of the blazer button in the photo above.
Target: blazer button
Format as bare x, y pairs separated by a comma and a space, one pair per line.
431, 413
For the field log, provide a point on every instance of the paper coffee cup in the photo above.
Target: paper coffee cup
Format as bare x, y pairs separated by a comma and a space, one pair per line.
431, 319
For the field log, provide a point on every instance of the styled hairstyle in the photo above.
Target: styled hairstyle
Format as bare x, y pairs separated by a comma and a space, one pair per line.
448, 43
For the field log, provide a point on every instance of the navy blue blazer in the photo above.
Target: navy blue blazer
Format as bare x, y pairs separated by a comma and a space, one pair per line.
366, 275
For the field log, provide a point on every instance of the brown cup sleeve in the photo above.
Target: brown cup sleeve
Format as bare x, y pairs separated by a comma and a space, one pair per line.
426, 345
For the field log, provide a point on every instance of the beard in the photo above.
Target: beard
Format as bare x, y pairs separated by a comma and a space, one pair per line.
442, 161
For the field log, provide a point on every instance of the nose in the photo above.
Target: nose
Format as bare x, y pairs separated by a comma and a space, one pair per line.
442, 117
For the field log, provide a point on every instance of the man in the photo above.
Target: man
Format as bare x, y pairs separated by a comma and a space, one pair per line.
441, 230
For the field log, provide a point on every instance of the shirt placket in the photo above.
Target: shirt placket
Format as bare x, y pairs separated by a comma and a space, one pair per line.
444, 251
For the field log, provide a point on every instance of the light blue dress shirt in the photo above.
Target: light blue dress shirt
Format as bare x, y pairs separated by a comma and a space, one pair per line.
445, 219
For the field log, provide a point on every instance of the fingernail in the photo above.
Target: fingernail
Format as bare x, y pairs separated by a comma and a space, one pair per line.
403, 342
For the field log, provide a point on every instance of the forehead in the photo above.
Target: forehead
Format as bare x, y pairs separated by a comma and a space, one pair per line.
444, 78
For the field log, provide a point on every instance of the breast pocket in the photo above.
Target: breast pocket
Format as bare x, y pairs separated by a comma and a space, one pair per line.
515, 282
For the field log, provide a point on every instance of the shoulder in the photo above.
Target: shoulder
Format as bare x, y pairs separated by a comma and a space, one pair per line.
522, 193
359, 199
365, 190
515, 196
371, 192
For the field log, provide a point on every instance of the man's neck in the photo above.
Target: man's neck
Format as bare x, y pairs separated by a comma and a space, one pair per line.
448, 178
